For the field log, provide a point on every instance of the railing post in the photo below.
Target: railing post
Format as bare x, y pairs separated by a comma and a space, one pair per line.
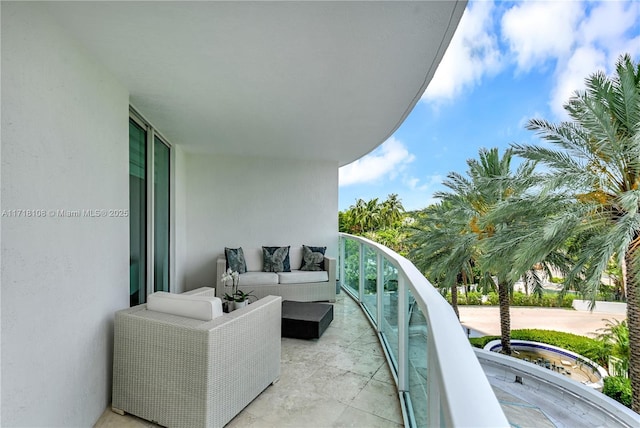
362, 272
434, 400
379, 289
403, 334
341, 246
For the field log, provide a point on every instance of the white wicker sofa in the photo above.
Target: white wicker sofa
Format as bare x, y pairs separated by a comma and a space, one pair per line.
184, 372
298, 285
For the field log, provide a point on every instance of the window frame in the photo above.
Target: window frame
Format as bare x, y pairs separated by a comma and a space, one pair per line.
151, 134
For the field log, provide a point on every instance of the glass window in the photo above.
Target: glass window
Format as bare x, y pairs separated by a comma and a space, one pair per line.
161, 215
137, 213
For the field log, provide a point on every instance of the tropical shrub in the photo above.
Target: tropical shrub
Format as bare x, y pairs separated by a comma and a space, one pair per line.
471, 298
618, 388
614, 337
572, 342
548, 300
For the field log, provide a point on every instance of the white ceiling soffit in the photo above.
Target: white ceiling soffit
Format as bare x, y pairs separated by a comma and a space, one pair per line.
299, 80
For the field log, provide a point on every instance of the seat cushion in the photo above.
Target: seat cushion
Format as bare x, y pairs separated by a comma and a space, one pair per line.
203, 308
303, 277
258, 278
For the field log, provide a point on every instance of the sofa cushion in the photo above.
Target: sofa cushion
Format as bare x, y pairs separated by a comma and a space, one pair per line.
275, 259
302, 277
203, 308
235, 259
258, 278
312, 258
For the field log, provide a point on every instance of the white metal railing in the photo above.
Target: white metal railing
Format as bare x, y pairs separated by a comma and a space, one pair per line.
438, 375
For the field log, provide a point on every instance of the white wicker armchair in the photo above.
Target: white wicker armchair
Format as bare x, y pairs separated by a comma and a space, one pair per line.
183, 372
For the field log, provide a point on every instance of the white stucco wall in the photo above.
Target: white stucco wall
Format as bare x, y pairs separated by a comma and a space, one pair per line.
64, 147
251, 202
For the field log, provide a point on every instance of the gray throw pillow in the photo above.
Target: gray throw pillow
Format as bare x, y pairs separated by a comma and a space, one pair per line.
235, 259
276, 259
313, 258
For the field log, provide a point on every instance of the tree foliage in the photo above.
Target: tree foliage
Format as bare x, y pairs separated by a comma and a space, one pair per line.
572, 205
379, 221
592, 170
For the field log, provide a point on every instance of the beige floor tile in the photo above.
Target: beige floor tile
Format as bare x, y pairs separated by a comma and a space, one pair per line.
338, 384
380, 399
384, 375
247, 420
339, 337
357, 361
299, 407
352, 417
110, 419
368, 342
340, 380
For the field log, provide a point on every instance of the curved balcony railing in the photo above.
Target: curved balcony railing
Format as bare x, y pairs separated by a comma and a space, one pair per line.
439, 379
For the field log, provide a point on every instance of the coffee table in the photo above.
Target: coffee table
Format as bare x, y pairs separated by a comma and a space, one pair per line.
305, 320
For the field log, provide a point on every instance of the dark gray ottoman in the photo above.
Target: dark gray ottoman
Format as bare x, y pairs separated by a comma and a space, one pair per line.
305, 320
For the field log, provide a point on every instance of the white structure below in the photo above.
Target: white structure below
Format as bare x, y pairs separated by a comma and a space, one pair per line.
565, 402
606, 307
564, 358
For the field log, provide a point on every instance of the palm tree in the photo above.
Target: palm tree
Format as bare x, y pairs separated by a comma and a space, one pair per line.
392, 210
463, 227
357, 215
492, 183
444, 247
373, 215
593, 160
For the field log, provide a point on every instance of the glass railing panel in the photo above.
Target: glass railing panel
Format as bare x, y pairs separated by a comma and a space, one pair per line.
389, 322
351, 279
422, 337
370, 296
417, 367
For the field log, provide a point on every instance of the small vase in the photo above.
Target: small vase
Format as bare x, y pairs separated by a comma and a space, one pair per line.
238, 305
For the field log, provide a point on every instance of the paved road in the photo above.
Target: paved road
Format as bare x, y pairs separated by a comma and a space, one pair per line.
486, 319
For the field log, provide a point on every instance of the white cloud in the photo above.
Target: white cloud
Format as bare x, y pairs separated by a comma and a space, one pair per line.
539, 31
415, 184
608, 22
412, 183
597, 45
472, 53
420, 193
570, 76
386, 161
571, 38
422, 196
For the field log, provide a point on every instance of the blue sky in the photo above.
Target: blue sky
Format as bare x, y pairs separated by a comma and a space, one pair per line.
508, 62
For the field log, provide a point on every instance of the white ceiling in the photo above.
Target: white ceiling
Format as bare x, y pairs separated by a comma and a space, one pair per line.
302, 80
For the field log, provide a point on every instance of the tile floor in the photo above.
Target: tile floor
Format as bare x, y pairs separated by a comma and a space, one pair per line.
340, 380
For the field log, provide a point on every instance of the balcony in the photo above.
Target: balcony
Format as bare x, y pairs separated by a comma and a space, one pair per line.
394, 355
